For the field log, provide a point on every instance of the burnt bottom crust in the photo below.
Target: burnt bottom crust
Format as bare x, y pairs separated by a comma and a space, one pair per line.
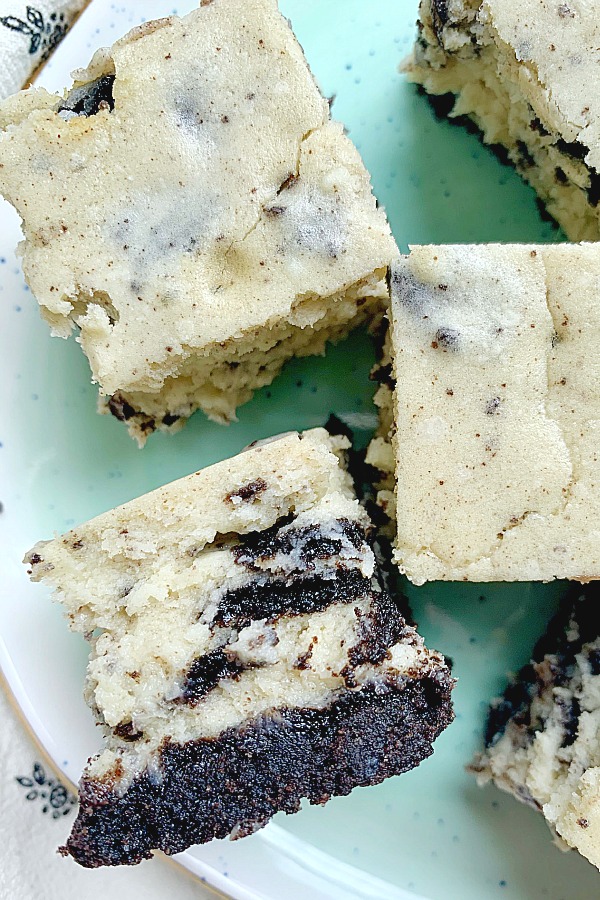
232, 785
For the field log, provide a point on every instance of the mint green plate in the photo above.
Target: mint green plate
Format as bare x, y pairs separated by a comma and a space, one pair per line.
431, 833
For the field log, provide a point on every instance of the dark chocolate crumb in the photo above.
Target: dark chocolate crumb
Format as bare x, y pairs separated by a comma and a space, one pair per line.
492, 407
89, 99
127, 732
35, 558
446, 339
594, 660
555, 661
288, 182
383, 375
204, 674
120, 408
303, 660
537, 125
571, 714
526, 160
574, 149
335, 426
593, 191
248, 492
439, 17
169, 419
308, 543
381, 627
560, 175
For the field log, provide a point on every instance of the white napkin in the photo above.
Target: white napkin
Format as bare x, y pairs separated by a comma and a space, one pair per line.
29, 33
37, 814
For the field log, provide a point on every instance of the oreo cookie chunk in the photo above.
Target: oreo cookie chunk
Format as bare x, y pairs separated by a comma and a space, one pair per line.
543, 735
493, 428
191, 209
524, 73
244, 653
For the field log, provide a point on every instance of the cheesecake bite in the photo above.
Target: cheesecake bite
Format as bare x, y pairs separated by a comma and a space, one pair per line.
244, 652
543, 735
525, 73
190, 209
496, 412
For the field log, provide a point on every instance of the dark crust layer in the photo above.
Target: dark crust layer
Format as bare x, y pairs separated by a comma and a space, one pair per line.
233, 785
271, 598
553, 663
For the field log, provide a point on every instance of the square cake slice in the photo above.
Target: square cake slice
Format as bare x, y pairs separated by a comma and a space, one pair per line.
496, 412
525, 73
244, 654
190, 208
543, 735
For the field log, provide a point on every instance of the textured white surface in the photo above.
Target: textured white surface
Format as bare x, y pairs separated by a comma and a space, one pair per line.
497, 410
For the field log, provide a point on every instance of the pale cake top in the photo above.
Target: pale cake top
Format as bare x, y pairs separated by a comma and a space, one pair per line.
556, 47
206, 193
498, 412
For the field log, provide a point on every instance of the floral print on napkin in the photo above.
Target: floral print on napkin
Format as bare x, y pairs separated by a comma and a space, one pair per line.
29, 33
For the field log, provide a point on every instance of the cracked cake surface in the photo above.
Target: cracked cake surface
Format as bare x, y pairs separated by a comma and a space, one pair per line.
498, 412
244, 653
543, 735
525, 73
192, 211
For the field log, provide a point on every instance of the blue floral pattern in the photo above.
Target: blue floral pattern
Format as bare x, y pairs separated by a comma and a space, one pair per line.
43, 34
53, 796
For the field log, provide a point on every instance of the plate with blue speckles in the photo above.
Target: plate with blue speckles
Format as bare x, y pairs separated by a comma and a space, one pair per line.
430, 833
